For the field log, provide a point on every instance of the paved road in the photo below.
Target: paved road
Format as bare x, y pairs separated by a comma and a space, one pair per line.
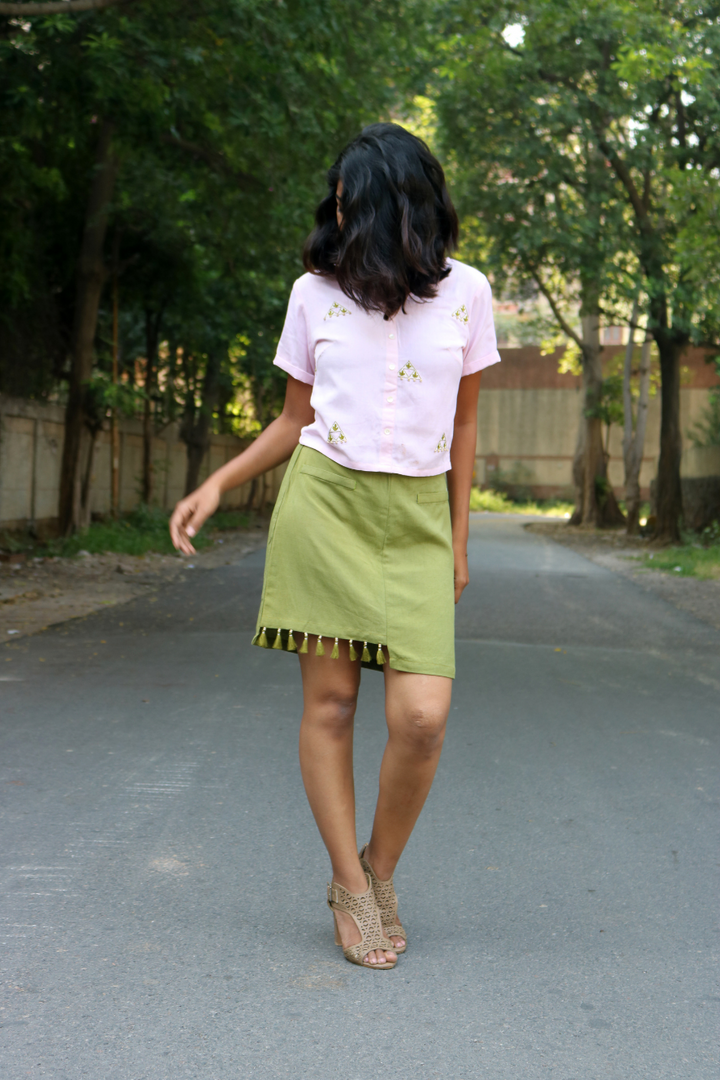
163, 884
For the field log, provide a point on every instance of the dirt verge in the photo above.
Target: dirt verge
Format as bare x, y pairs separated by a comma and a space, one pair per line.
35, 593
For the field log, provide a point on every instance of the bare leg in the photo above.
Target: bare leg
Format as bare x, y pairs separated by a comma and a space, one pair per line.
330, 689
416, 707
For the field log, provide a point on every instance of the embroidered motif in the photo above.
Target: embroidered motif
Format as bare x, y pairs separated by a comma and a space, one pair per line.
442, 446
461, 314
337, 435
336, 311
409, 372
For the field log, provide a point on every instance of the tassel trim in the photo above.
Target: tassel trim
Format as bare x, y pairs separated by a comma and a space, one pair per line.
290, 645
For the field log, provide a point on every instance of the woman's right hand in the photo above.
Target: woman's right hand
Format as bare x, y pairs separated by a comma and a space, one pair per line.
191, 513
273, 446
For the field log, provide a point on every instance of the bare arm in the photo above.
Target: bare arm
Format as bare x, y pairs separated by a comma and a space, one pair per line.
273, 446
462, 464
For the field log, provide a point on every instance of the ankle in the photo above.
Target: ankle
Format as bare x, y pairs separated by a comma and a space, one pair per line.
383, 868
351, 878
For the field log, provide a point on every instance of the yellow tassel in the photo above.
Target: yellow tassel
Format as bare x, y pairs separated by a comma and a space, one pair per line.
303, 647
277, 643
256, 639
319, 648
353, 651
292, 647
380, 658
335, 654
366, 653
262, 640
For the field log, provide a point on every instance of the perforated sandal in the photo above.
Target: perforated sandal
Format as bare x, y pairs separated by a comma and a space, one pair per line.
363, 910
387, 903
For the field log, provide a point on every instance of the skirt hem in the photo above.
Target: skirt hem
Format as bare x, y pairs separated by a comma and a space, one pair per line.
367, 652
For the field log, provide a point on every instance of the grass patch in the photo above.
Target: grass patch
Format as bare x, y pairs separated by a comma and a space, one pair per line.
141, 531
690, 560
495, 502
229, 519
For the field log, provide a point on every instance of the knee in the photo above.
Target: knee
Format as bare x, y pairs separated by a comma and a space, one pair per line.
334, 712
422, 727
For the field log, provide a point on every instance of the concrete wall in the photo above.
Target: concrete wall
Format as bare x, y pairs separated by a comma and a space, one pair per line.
528, 420
31, 439
528, 416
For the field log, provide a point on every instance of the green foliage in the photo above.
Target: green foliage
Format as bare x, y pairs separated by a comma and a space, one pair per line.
699, 559
706, 430
143, 530
225, 117
609, 405
520, 150
104, 394
584, 148
496, 502
570, 363
229, 519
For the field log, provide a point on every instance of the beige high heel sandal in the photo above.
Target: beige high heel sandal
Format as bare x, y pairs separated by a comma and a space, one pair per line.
363, 910
387, 903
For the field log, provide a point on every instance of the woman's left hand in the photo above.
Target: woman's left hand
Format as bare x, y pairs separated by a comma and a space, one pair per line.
462, 576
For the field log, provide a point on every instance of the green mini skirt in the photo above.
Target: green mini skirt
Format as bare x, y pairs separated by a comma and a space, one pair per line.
364, 557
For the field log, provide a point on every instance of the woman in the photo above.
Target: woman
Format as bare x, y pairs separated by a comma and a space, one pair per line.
383, 345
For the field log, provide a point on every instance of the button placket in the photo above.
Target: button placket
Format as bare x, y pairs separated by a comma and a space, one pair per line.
387, 428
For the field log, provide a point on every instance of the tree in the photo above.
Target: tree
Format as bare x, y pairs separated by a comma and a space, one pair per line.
91, 275
639, 83
659, 132
201, 127
542, 205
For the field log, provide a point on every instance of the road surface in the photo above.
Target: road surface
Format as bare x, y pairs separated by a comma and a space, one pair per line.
163, 900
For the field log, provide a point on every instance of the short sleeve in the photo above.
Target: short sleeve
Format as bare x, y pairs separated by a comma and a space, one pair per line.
481, 349
293, 352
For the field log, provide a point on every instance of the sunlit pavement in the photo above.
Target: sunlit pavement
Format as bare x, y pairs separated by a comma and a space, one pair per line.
164, 886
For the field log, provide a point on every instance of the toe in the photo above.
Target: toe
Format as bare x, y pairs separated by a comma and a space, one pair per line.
378, 956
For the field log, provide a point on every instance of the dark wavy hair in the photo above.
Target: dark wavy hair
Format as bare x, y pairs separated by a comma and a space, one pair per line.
398, 221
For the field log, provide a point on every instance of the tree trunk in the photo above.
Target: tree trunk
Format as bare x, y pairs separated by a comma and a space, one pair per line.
578, 466
195, 430
147, 462
595, 502
669, 491
251, 494
628, 423
90, 279
90, 441
152, 332
634, 441
114, 428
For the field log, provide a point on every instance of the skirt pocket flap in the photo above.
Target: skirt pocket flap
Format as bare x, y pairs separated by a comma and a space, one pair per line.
330, 478
432, 496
